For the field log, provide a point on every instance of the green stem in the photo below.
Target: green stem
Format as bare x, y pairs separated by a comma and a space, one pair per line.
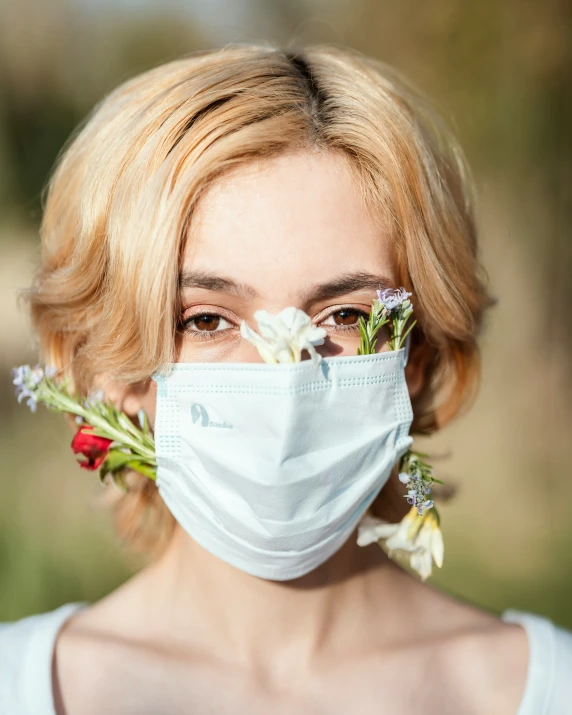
409, 329
63, 402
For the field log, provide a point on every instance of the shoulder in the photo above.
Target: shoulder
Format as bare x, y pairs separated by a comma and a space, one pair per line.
481, 659
549, 677
519, 663
472, 659
484, 660
26, 648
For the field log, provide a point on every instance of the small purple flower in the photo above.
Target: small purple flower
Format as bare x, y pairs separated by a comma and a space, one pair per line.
411, 496
27, 380
27, 377
18, 374
393, 298
418, 491
426, 505
32, 401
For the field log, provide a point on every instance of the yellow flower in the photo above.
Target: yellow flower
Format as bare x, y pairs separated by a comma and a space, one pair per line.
416, 539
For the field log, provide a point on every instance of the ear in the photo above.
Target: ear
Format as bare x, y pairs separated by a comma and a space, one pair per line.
130, 398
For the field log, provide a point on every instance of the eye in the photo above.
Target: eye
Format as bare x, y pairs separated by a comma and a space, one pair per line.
345, 319
205, 325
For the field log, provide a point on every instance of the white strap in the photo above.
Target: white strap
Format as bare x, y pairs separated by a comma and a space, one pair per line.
406, 346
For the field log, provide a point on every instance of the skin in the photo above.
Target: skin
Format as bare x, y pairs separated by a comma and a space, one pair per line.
191, 634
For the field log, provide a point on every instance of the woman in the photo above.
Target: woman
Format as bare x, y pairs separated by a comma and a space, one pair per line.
202, 197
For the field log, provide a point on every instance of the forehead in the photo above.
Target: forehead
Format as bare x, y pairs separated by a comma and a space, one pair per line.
280, 223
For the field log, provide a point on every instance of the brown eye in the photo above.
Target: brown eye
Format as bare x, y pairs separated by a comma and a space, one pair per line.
203, 324
206, 322
347, 317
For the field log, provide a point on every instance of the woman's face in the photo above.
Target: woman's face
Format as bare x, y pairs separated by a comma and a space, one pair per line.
289, 231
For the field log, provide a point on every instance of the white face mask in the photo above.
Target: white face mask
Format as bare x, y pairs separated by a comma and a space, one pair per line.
270, 467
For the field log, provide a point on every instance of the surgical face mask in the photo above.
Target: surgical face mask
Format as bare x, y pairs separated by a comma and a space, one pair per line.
270, 467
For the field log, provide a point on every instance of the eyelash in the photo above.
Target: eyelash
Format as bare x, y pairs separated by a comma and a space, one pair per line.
213, 334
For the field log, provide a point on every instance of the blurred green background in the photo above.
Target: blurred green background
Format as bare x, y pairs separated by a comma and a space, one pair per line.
501, 73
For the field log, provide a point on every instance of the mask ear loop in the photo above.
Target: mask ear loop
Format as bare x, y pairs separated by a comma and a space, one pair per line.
406, 347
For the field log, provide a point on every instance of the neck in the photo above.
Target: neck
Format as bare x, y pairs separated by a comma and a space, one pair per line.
205, 601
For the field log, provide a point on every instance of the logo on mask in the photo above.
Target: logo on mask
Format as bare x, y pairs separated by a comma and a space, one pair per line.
200, 415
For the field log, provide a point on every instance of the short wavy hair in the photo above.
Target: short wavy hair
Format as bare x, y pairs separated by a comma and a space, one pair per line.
120, 202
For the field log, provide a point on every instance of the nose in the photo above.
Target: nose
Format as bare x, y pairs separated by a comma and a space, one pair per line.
247, 352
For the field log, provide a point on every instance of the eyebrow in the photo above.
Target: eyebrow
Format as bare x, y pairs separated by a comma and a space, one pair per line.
345, 283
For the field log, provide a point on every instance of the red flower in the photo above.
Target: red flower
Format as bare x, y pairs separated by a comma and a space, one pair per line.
93, 448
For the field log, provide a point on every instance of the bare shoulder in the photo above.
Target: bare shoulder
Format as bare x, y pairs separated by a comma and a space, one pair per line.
97, 645
485, 658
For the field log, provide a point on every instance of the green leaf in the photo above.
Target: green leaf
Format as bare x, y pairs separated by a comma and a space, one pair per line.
142, 468
115, 460
118, 460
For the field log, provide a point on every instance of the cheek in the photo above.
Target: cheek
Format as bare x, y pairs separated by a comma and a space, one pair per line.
145, 401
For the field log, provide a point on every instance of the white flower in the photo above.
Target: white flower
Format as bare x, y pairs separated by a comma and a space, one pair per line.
284, 336
416, 539
429, 543
371, 530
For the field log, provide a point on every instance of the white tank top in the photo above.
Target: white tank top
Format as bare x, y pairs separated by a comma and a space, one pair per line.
27, 645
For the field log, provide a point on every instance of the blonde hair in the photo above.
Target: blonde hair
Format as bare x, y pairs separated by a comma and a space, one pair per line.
120, 201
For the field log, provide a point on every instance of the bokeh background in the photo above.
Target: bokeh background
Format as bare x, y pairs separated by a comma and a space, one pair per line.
501, 73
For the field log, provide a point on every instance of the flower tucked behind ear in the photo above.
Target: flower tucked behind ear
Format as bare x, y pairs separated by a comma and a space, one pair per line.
284, 336
417, 539
107, 438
